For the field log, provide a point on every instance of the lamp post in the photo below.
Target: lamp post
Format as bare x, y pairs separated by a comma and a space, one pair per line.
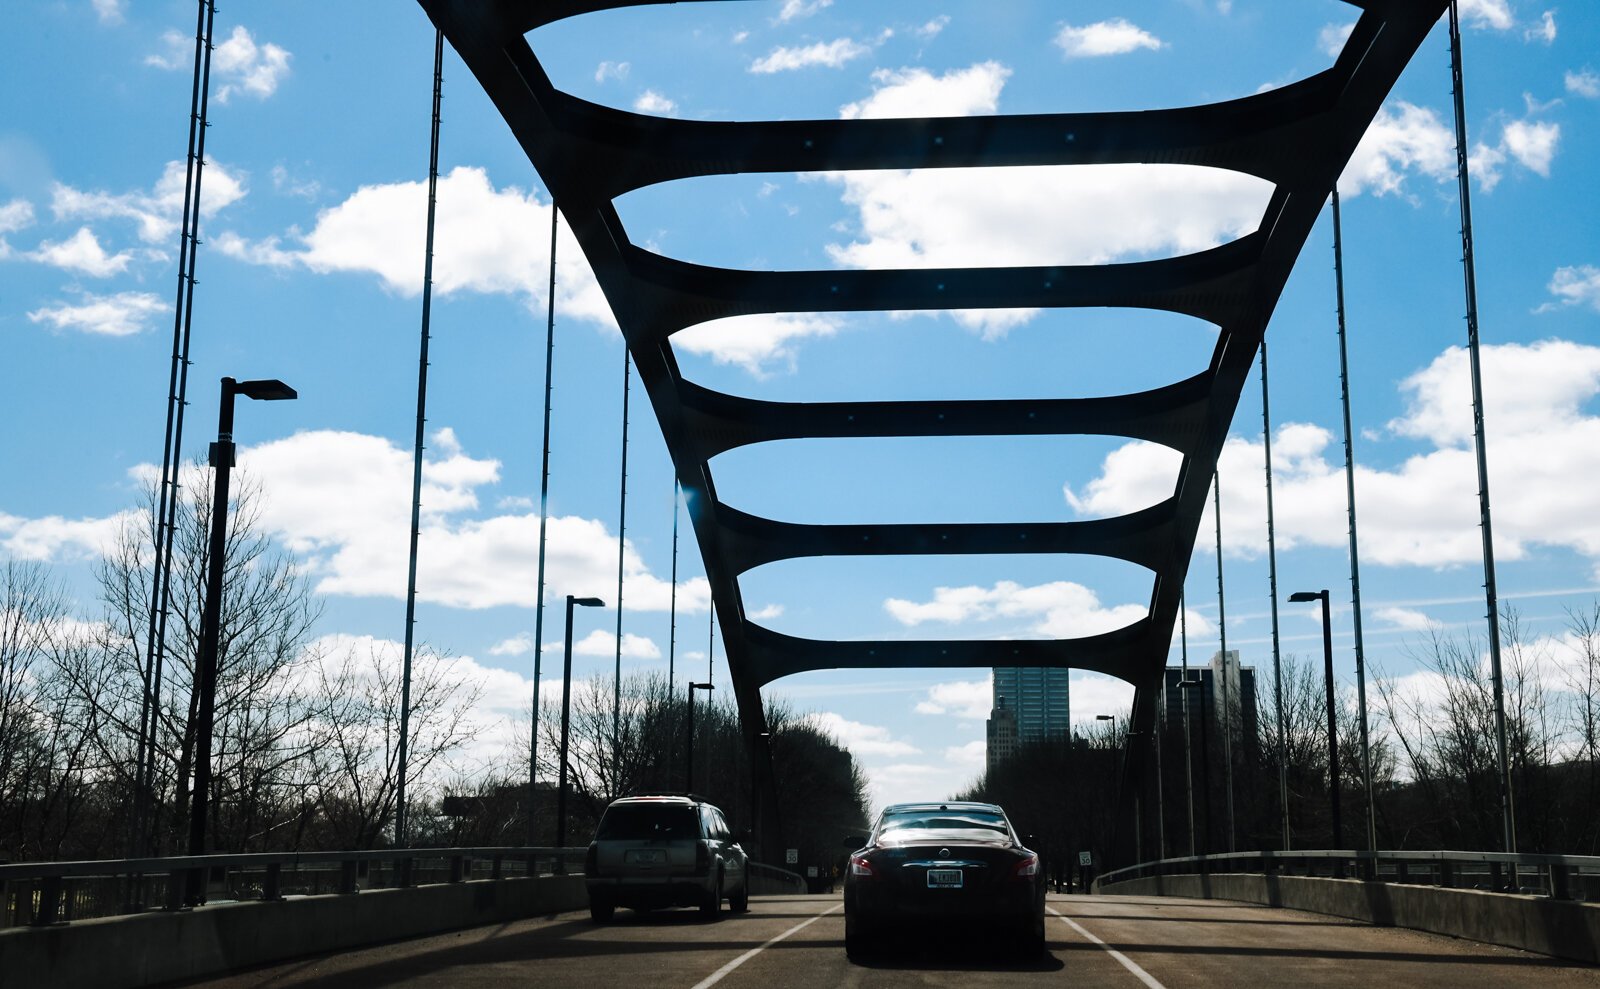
269, 390
688, 773
1198, 683
566, 715
1333, 737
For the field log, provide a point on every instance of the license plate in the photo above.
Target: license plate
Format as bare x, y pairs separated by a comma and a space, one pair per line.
944, 878
647, 857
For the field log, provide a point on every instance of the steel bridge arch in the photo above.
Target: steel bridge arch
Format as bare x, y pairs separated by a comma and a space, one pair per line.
1298, 138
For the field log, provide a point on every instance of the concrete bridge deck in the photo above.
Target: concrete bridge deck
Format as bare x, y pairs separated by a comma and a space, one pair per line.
799, 942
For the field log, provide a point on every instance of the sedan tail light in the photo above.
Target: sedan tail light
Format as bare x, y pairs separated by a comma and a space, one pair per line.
1026, 869
860, 867
702, 858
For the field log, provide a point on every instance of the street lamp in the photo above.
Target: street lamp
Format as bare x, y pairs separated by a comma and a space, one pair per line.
688, 774
1306, 597
269, 390
566, 709
1198, 683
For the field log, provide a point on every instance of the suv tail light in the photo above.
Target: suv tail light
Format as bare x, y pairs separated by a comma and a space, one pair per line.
861, 868
702, 858
591, 861
1026, 869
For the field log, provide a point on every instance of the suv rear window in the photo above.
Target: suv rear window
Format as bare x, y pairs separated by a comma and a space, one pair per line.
648, 822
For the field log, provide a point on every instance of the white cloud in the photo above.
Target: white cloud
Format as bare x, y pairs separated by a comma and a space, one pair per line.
1405, 139
795, 9
863, 740
754, 342
1412, 139
766, 614
611, 70
1060, 609
487, 240
1088, 214
1533, 144
15, 215
1422, 512
157, 212
1544, 31
342, 502
969, 699
969, 757
57, 538
603, 643
238, 63
1331, 39
517, 645
245, 66
1094, 694
1584, 82
1404, 618
833, 54
82, 253
120, 315
931, 29
287, 184
1116, 36
1576, 286
109, 11
916, 92
651, 101
1493, 14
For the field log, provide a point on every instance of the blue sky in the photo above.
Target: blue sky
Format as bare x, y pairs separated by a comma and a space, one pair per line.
311, 270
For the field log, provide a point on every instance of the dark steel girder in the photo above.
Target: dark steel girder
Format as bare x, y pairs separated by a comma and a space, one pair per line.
1297, 137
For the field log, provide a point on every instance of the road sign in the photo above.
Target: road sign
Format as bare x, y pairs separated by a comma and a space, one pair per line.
791, 856
1086, 858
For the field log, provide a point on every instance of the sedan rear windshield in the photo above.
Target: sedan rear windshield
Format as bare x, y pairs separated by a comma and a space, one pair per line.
649, 822
967, 819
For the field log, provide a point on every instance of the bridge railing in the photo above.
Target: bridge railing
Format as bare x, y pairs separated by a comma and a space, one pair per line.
769, 879
1561, 877
43, 893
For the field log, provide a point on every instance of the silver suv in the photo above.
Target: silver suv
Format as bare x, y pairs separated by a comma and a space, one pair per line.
665, 851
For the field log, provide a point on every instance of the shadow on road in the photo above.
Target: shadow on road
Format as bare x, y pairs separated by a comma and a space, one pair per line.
951, 954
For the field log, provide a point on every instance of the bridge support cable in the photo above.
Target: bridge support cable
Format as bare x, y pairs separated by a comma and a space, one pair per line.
622, 549
1297, 137
672, 628
1480, 443
1188, 748
1226, 716
1350, 499
544, 519
1272, 596
165, 526
402, 766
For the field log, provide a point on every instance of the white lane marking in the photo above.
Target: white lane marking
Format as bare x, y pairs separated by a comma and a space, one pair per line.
1127, 962
717, 976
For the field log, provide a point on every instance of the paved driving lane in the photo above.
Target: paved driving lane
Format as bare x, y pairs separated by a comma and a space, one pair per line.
799, 942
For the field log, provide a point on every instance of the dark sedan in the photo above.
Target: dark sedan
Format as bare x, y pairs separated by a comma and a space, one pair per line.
954, 864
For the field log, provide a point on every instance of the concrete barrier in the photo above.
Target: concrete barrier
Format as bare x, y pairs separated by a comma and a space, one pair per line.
154, 948
1564, 928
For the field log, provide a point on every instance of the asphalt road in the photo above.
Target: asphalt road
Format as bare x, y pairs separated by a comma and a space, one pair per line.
798, 942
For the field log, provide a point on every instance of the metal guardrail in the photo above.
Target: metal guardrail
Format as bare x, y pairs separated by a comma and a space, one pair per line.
1561, 877
793, 880
43, 893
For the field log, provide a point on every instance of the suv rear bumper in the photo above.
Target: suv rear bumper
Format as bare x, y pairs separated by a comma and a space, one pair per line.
650, 891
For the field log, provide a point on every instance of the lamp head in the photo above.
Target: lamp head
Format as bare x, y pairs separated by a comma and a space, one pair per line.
1299, 597
588, 602
265, 390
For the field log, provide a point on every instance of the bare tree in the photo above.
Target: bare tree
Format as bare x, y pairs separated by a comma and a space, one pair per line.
357, 760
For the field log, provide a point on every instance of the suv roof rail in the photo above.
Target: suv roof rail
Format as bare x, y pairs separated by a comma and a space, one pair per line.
697, 798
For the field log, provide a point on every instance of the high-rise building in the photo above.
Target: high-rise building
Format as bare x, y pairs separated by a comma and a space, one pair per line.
1002, 734
1207, 700
1034, 703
